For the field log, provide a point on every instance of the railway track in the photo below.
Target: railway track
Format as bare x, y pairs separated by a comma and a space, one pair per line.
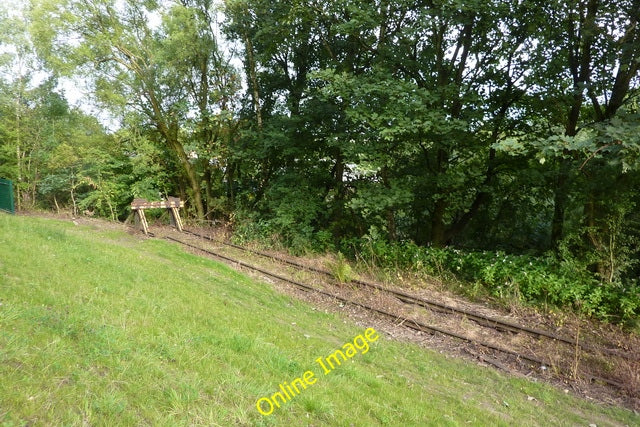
483, 320
500, 325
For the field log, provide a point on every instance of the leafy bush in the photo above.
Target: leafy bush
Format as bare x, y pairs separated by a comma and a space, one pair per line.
535, 280
542, 280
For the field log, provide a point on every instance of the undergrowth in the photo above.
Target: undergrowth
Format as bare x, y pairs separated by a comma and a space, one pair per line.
543, 281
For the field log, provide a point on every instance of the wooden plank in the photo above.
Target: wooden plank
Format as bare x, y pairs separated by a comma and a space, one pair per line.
143, 221
173, 202
157, 205
176, 217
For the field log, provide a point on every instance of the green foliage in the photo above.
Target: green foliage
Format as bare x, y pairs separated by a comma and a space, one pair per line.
294, 212
181, 95
340, 269
151, 169
528, 279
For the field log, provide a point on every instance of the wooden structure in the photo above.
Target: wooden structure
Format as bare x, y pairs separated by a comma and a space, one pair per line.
172, 205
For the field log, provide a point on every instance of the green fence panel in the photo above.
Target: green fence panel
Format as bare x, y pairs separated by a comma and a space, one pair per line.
6, 196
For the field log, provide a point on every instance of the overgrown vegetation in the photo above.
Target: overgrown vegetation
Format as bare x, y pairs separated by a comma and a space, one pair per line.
482, 127
544, 281
103, 328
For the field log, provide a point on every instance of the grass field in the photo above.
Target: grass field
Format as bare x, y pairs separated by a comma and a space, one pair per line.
103, 328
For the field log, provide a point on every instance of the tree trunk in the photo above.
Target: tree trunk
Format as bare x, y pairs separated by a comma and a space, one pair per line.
389, 211
253, 79
231, 172
208, 181
195, 185
190, 172
438, 227
18, 186
560, 197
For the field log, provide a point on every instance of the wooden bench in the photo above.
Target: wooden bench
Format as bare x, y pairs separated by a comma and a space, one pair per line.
172, 204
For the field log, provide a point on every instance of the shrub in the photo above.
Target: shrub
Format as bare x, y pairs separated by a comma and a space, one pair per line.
541, 280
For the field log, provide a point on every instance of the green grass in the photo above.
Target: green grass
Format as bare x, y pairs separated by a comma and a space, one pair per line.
101, 328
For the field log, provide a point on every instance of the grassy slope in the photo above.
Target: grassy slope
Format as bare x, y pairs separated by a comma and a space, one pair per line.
102, 328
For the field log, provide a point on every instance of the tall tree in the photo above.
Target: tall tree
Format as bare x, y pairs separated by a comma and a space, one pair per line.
596, 47
584, 99
390, 89
18, 65
135, 54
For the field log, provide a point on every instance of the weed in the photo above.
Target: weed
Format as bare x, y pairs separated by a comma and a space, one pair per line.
341, 270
